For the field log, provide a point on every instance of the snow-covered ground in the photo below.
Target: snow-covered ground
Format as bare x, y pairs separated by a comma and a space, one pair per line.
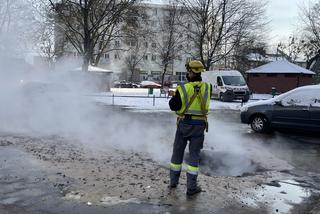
139, 99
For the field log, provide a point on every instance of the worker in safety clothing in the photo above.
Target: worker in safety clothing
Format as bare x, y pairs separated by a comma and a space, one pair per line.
191, 104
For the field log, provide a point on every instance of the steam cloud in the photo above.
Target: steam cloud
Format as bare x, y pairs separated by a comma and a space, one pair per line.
57, 103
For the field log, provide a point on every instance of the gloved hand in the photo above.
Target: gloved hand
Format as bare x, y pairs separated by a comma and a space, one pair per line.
172, 93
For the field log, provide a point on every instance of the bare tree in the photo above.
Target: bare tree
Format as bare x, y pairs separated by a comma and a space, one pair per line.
5, 15
134, 57
16, 26
169, 39
221, 25
46, 44
136, 33
311, 19
132, 61
90, 25
249, 54
291, 50
44, 32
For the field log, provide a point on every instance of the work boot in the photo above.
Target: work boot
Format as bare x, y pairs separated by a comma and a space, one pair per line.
191, 192
174, 178
191, 181
172, 186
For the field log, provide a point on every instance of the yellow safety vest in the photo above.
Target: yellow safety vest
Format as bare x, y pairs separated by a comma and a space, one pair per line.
195, 99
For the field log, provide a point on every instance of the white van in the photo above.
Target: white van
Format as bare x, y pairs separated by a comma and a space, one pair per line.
227, 85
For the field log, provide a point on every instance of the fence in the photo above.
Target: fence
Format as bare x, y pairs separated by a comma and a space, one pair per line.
135, 99
153, 97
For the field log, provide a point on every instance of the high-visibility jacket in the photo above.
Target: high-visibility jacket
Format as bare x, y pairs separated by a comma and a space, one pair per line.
200, 104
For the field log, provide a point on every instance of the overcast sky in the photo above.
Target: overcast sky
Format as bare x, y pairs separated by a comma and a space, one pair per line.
284, 15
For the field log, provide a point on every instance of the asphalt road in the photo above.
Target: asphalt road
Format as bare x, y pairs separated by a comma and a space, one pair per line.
231, 149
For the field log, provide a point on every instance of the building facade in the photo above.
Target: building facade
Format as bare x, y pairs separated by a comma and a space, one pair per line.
280, 76
150, 66
146, 51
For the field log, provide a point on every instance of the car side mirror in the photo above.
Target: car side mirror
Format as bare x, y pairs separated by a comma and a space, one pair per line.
278, 102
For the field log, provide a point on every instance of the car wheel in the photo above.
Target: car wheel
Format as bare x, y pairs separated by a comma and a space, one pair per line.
259, 124
221, 97
245, 100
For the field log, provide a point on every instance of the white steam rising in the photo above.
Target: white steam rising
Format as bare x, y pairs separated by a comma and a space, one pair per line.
37, 102
57, 103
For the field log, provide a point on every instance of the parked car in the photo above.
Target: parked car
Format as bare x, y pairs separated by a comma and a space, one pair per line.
227, 85
296, 109
150, 84
125, 84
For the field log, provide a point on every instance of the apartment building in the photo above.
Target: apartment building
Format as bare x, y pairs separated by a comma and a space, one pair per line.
150, 66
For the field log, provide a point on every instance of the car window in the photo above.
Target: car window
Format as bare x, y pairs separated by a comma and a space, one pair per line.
302, 98
219, 81
234, 80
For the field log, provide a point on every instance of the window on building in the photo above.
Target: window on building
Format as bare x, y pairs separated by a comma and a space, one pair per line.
181, 76
169, 73
143, 72
155, 75
132, 43
145, 57
153, 23
116, 56
133, 57
154, 45
143, 75
153, 57
155, 11
117, 43
106, 56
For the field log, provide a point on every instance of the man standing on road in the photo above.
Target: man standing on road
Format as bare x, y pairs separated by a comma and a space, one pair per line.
191, 104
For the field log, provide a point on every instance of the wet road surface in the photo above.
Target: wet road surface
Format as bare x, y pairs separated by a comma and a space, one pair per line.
26, 188
26, 184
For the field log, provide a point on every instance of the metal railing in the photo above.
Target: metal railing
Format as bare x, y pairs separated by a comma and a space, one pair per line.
153, 97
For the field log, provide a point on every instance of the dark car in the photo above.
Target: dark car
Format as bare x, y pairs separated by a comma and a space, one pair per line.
296, 109
125, 84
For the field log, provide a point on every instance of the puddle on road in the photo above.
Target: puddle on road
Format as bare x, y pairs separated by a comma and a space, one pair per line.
110, 201
9, 201
279, 197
